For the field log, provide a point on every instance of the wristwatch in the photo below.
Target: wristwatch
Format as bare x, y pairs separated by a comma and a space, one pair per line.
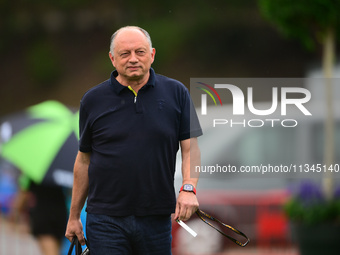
188, 188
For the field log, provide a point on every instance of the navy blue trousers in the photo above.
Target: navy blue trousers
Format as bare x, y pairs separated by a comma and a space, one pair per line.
130, 235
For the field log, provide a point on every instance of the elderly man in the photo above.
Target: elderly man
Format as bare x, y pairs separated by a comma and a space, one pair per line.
131, 127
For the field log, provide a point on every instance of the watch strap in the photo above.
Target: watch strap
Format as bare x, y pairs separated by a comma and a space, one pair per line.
193, 188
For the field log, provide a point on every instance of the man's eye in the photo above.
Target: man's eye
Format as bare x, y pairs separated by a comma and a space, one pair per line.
140, 52
124, 54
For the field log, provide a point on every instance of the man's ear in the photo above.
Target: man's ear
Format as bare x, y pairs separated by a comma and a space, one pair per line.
153, 53
112, 59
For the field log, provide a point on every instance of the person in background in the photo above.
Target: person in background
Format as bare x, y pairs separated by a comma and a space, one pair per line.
47, 213
131, 127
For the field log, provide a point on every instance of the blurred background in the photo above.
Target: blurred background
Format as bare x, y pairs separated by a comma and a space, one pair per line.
57, 50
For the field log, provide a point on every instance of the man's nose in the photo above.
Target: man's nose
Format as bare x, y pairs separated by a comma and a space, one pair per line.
133, 58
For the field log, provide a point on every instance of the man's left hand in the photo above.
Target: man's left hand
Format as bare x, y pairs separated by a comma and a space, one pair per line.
187, 205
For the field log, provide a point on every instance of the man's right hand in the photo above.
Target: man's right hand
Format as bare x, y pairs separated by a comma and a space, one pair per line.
75, 228
79, 195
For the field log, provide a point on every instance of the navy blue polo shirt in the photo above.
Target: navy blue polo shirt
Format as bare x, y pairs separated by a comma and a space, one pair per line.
133, 143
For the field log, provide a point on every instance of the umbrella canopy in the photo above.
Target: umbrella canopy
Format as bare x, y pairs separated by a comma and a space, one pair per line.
42, 142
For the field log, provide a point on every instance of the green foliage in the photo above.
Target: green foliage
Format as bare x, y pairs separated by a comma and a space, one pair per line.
316, 213
166, 30
43, 64
65, 4
306, 20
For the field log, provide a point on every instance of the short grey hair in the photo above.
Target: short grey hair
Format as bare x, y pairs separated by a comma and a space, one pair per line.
113, 37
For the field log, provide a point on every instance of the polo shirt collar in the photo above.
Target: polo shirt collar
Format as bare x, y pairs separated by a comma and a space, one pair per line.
117, 87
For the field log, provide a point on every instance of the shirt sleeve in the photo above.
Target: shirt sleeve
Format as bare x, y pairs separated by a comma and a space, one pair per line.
190, 126
85, 136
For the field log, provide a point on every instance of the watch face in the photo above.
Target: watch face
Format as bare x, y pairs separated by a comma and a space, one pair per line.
188, 187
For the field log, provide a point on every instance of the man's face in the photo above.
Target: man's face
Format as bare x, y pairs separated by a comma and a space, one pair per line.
132, 56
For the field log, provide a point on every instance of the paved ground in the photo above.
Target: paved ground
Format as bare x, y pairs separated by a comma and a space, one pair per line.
15, 240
